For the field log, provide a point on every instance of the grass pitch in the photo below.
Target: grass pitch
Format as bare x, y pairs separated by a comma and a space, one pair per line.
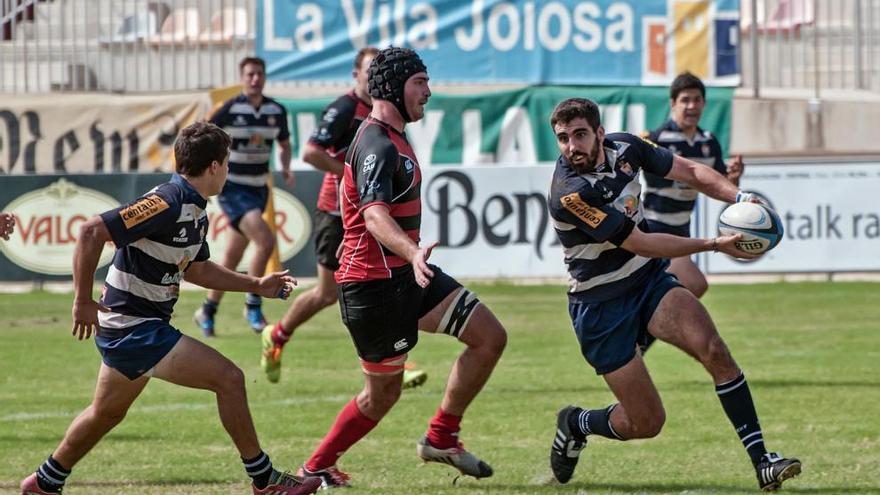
810, 352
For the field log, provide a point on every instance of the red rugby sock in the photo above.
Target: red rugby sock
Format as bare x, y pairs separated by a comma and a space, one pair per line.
350, 426
443, 430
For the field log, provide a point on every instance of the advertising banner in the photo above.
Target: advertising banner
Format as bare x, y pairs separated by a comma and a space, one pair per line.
489, 221
513, 127
93, 133
829, 227
608, 42
49, 211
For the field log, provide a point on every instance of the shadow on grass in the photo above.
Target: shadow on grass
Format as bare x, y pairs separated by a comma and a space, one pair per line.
586, 487
81, 484
780, 384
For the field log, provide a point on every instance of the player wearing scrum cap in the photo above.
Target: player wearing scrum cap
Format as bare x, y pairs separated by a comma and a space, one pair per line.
387, 289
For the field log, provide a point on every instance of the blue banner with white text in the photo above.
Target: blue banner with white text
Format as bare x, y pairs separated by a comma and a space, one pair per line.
599, 42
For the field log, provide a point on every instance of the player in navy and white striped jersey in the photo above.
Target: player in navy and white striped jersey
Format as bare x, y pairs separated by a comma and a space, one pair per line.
255, 122
669, 203
620, 291
160, 240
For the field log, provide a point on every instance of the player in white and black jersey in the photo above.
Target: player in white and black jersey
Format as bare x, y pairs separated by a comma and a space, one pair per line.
669, 203
620, 291
160, 240
255, 122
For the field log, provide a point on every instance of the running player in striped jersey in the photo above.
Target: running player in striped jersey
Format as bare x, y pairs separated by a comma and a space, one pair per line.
255, 122
669, 203
160, 240
620, 291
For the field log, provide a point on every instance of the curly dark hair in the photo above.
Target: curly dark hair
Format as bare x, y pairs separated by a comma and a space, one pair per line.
197, 146
572, 108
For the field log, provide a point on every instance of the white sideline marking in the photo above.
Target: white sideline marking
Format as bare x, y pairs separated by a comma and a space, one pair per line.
180, 406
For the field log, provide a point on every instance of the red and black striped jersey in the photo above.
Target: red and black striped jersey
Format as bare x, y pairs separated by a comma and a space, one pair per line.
338, 126
380, 168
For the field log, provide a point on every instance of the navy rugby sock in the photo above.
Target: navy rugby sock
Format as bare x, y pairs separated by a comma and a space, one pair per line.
209, 307
593, 422
51, 476
259, 469
253, 301
736, 399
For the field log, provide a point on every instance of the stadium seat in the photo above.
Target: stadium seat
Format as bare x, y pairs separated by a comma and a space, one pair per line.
226, 25
139, 26
181, 25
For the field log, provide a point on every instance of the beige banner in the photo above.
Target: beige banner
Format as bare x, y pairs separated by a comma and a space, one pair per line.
93, 133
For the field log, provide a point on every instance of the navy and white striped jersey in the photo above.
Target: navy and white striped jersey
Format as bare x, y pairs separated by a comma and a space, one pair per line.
253, 130
593, 213
671, 202
157, 236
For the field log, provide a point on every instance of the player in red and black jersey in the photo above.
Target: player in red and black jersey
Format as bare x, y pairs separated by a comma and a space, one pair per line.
326, 151
387, 289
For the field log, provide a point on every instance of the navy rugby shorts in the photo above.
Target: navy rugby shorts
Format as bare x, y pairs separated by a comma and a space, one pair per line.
134, 351
237, 199
608, 331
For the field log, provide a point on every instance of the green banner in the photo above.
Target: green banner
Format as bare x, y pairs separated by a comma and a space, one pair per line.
512, 127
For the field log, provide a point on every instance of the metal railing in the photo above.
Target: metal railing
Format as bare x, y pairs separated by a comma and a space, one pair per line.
160, 45
123, 45
810, 44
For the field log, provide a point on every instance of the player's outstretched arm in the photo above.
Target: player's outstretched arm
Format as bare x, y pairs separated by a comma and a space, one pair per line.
210, 275
658, 245
380, 224
92, 236
702, 178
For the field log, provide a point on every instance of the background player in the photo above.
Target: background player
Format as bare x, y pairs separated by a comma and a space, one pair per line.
254, 121
388, 291
160, 239
669, 203
620, 290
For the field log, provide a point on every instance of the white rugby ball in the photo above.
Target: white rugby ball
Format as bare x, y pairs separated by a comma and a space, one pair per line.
759, 225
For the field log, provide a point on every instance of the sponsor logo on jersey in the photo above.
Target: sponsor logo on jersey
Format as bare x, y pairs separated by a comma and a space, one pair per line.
628, 204
181, 236
590, 215
142, 210
369, 163
168, 278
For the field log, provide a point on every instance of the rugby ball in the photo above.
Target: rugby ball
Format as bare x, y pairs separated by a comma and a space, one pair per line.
759, 225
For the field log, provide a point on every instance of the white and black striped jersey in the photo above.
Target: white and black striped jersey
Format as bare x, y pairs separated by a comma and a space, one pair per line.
593, 213
157, 236
671, 202
253, 131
